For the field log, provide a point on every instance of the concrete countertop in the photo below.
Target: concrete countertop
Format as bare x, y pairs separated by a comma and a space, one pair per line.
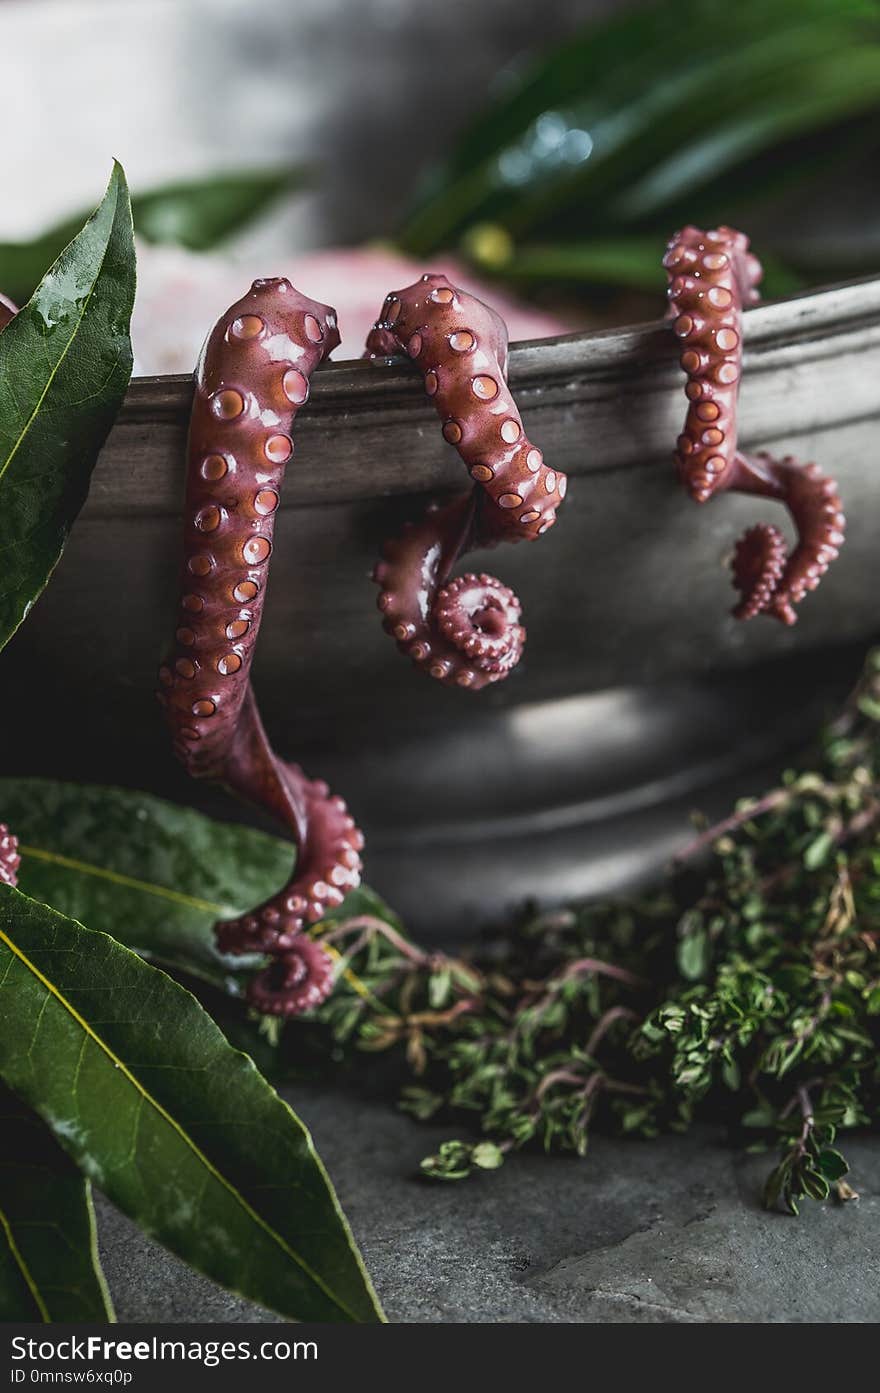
668, 1231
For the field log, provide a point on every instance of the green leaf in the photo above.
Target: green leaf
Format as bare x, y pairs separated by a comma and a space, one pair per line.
814, 1185
154, 875
65, 362
731, 1074
623, 126
177, 1128
763, 1115
629, 260
439, 988
451, 1162
693, 954
818, 851
832, 1164
22, 263
487, 1155
776, 1183
49, 1267
194, 213
200, 213
420, 1102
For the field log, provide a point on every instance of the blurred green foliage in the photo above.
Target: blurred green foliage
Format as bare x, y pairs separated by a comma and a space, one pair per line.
195, 213
698, 110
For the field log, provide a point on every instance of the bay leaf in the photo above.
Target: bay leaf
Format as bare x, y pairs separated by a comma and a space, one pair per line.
176, 1127
154, 875
198, 213
204, 213
49, 1266
65, 362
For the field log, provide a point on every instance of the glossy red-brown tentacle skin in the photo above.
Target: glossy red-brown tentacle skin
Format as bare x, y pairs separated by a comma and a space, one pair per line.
8, 310
464, 632
712, 277
302, 978
9, 857
252, 377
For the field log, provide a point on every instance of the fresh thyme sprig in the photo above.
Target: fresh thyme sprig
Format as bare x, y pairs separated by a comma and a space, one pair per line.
745, 989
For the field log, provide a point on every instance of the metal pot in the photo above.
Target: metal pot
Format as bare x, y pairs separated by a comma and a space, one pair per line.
638, 695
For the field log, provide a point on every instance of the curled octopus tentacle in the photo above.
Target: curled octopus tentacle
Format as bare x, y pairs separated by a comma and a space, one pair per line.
712, 276
252, 377
464, 631
296, 981
9, 857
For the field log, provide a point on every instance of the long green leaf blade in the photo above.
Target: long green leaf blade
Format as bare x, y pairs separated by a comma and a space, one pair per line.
154, 875
65, 362
176, 1127
634, 261
585, 142
49, 1267
203, 213
196, 213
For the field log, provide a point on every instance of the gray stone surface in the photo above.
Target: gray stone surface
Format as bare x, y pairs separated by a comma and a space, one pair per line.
659, 1232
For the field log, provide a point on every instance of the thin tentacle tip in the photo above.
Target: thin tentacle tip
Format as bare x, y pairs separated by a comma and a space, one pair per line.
296, 982
757, 568
480, 617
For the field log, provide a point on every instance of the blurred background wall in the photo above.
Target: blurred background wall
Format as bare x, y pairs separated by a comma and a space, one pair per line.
576, 133
369, 90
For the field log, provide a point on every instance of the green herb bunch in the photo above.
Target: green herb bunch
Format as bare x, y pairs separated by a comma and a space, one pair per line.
747, 989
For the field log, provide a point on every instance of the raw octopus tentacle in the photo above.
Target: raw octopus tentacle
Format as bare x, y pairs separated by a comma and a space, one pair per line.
9, 857
712, 276
465, 631
302, 978
252, 377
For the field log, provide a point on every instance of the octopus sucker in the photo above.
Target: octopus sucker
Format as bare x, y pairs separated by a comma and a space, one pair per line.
463, 631
255, 368
295, 981
9, 857
712, 277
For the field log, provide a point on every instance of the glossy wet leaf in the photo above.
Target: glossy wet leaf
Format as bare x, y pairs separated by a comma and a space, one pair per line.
154, 875
832, 1164
49, 1267
194, 213
65, 362
178, 1129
